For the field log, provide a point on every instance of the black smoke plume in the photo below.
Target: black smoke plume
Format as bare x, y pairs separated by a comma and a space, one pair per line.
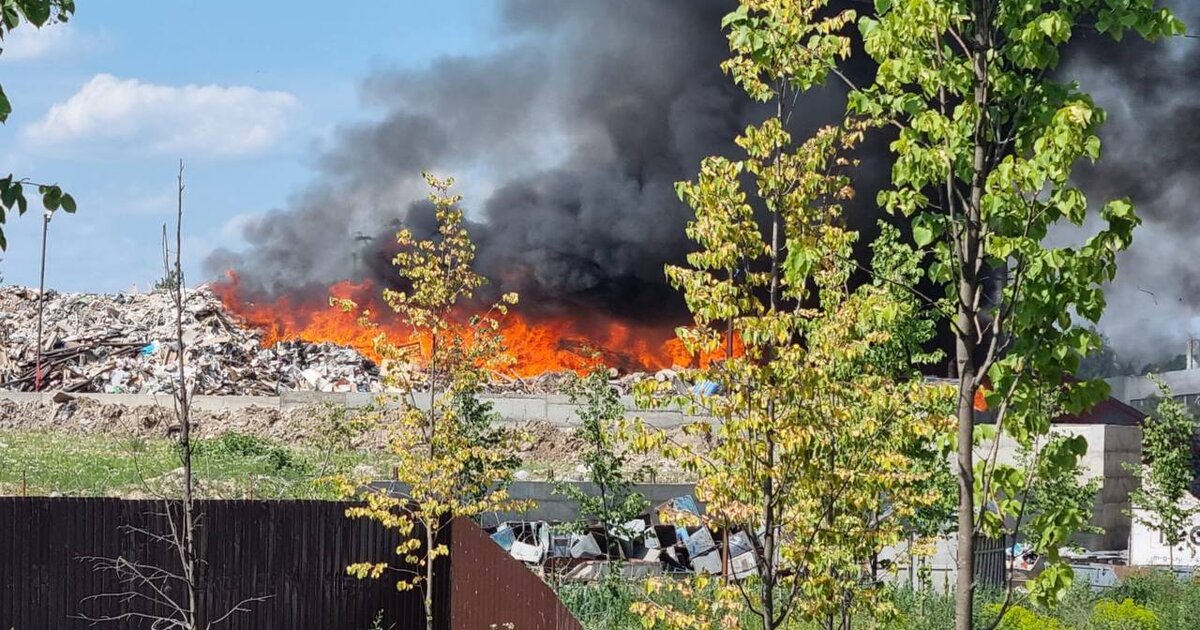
577, 131
1152, 95
569, 140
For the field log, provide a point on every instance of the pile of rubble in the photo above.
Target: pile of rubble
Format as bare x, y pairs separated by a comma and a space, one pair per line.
670, 539
126, 343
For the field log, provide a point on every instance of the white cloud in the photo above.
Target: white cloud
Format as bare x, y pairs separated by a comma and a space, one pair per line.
160, 119
27, 43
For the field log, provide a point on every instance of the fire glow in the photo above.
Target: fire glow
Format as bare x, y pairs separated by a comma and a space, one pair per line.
537, 345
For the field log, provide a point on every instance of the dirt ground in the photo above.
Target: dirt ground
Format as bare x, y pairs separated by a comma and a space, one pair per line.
545, 450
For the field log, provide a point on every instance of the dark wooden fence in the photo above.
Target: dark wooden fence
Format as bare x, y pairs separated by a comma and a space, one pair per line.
292, 553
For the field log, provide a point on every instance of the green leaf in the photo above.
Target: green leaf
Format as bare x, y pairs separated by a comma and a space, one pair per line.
922, 235
36, 11
882, 6
867, 26
68, 204
5, 106
51, 197
737, 16
926, 227
11, 18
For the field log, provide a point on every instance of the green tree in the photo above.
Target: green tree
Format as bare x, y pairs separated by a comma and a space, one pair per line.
1167, 442
984, 142
806, 450
37, 14
450, 463
1051, 490
601, 413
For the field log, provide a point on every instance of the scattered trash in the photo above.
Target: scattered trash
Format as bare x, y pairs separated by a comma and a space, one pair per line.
585, 546
504, 537
669, 511
642, 549
743, 565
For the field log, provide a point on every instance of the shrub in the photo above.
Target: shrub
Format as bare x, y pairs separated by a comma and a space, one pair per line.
1021, 618
1127, 615
1145, 587
235, 445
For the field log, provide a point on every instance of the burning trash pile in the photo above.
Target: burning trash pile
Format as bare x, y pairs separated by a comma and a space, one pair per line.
126, 343
653, 544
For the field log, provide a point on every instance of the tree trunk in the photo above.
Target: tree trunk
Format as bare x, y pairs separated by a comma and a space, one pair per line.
971, 259
433, 348
429, 560
188, 551
768, 574
965, 580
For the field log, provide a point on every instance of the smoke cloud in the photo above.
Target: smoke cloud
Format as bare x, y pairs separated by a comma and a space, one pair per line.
1152, 95
576, 133
569, 141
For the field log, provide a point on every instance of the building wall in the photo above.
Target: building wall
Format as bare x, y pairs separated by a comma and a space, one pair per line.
1137, 390
1110, 448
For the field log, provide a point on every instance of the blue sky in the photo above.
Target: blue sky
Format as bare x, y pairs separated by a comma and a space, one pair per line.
244, 92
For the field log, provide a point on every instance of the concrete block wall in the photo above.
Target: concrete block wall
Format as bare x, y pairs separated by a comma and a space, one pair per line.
554, 408
553, 507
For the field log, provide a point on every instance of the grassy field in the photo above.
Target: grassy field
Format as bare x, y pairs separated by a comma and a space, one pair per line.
231, 466
1155, 601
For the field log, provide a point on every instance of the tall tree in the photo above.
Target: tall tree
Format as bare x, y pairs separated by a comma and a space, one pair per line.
37, 14
985, 141
450, 463
169, 596
1168, 439
807, 453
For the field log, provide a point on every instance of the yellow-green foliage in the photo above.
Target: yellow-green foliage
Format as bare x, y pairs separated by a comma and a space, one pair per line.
448, 466
1021, 618
815, 421
1127, 615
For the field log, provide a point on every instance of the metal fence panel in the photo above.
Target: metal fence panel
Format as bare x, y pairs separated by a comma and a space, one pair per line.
492, 591
294, 552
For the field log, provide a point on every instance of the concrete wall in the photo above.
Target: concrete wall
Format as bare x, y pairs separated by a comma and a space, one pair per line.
555, 508
553, 408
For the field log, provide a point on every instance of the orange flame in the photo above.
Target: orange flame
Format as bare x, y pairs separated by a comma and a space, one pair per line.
981, 399
537, 344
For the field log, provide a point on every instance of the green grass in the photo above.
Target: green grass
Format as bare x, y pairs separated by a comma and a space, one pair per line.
1154, 601
231, 466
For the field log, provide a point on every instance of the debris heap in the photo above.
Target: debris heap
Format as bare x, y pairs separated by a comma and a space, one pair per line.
670, 539
126, 343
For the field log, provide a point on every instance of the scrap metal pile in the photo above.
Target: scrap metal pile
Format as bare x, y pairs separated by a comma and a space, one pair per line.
653, 544
126, 343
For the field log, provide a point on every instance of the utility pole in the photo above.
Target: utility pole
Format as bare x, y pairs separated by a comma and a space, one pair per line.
37, 379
